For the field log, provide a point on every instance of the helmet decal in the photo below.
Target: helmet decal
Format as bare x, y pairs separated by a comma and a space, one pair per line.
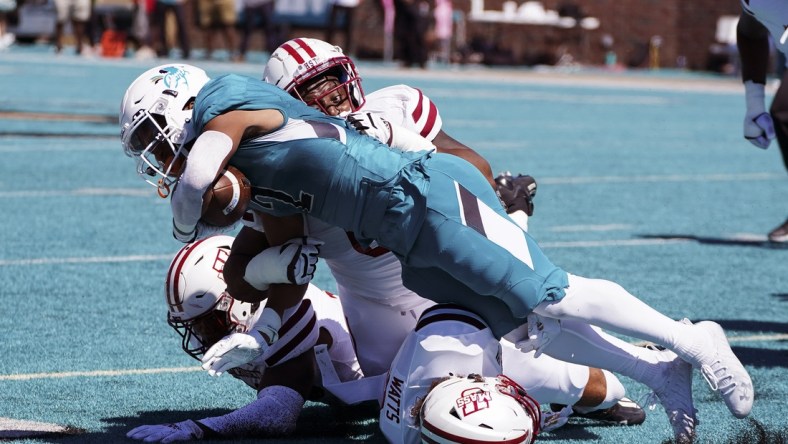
473, 400
155, 120
172, 77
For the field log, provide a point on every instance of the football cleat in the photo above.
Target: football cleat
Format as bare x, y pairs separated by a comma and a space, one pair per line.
675, 394
779, 234
624, 412
725, 373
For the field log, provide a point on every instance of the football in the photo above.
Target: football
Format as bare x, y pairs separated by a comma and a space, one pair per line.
224, 203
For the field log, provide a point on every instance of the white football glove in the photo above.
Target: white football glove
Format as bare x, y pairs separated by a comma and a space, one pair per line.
535, 334
200, 231
758, 124
293, 262
553, 420
164, 433
237, 349
395, 136
371, 125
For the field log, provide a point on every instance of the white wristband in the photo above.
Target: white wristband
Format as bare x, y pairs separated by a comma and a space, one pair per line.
755, 98
269, 324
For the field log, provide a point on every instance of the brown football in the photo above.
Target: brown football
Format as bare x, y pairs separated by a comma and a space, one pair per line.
224, 203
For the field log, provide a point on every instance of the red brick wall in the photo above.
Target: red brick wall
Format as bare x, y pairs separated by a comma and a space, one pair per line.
687, 28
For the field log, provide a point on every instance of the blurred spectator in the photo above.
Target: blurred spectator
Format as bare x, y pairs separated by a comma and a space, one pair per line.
110, 26
218, 17
139, 34
443, 15
259, 14
78, 13
6, 38
159, 31
342, 11
411, 22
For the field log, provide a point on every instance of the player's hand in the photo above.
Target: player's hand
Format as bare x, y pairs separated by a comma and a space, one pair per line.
200, 231
293, 262
233, 351
759, 130
164, 433
371, 125
553, 420
516, 193
758, 124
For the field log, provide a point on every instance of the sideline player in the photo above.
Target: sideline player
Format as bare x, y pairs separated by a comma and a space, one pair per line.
368, 280
757, 21
436, 212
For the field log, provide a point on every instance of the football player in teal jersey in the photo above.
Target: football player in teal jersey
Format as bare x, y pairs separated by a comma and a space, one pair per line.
436, 212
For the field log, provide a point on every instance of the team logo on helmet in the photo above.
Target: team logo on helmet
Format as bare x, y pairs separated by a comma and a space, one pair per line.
473, 400
172, 77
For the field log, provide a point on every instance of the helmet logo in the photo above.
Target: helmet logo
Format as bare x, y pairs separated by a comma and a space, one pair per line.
473, 400
221, 259
172, 77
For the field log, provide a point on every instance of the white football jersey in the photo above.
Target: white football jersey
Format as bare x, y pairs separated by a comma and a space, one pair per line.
406, 107
299, 332
773, 14
446, 341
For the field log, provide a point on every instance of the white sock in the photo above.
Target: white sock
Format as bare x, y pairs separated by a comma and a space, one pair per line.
608, 305
584, 344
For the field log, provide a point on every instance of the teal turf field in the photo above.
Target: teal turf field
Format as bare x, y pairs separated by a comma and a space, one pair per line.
644, 179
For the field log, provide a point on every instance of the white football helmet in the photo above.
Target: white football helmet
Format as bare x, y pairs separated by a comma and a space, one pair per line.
479, 410
155, 120
298, 62
200, 309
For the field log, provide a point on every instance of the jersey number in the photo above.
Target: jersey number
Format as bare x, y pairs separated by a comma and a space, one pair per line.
261, 196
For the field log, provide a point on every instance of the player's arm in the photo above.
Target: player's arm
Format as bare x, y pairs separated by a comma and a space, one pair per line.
753, 43
209, 155
279, 402
447, 144
247, 245
752, 40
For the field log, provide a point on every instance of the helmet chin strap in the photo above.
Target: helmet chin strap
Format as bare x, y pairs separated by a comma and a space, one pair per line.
163, 188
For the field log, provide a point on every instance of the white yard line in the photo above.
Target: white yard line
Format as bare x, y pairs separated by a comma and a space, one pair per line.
98, 373
613, 243
134, 192
87, 260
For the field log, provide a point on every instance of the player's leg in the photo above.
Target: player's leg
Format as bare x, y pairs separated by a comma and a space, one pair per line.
779, 112
608, 305
591, 392
468, 235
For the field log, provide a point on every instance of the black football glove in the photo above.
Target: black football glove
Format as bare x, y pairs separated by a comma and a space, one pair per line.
516, 193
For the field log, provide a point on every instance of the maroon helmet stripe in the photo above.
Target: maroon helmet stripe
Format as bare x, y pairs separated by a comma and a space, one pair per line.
464, 440
293, 52
417, 112
432, 116
172, 298
305, 46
